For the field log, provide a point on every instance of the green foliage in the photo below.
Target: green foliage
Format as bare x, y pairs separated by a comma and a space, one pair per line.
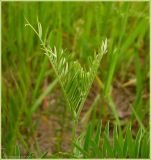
17, 152
75, 80
128, 146
45, 93
79, 27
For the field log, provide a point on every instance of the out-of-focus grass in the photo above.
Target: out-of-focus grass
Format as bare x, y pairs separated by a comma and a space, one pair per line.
79, 27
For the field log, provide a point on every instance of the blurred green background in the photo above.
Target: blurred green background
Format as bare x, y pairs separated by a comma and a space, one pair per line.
79, 27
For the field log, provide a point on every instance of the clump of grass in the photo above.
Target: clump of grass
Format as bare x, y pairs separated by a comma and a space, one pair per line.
93, 146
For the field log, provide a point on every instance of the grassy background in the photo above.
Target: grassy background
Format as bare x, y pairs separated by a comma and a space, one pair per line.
78, 27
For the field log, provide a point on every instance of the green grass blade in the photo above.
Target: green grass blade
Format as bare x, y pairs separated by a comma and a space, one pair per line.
85, 154
138, 143
107, 149
98, 134
138, 118
17, 152
40, 77
113, 108
42, 96
145, 148
129, 142
87, 138
111, 69
44, 155
135, 33
96, 151
117, 146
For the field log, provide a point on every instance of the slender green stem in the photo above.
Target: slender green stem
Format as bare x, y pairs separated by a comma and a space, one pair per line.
74, 129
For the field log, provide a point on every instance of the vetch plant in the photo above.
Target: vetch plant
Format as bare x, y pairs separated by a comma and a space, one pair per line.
75, 80
120, 92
